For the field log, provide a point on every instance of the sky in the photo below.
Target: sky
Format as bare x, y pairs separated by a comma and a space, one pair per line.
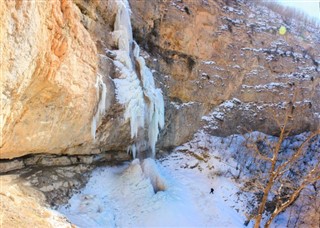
311, 7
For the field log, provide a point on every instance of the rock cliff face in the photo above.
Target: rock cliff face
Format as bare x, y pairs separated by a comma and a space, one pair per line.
228, 57
49, 84
222, 59
48, 73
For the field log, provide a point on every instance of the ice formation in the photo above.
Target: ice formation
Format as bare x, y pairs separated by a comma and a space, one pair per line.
135, 88
101, 106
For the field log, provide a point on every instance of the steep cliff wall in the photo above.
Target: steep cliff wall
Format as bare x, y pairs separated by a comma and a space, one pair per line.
228, 57
61, 92
48, 69
223, 59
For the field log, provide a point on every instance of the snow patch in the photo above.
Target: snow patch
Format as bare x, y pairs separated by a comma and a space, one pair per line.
208, 62
125, 196
181, 105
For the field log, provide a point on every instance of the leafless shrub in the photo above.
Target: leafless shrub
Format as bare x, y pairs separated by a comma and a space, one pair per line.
279, 174
288, 13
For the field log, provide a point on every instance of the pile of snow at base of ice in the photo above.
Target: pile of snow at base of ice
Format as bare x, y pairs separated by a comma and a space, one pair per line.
172, 192
125, 196
135, 88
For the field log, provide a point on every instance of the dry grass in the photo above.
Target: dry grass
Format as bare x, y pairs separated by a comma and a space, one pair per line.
288, 13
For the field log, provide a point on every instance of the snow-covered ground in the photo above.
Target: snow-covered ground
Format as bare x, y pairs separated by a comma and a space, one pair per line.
171, 192
174, 191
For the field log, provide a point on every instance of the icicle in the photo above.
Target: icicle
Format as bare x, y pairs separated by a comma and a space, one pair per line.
133, 150
101, 109
129, 93
144, 103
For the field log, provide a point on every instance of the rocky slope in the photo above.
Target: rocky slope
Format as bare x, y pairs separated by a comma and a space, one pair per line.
23, 206
223, 59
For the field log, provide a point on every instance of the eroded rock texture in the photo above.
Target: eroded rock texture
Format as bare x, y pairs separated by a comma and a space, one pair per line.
223, 59
228, 57
48, 73
23, 206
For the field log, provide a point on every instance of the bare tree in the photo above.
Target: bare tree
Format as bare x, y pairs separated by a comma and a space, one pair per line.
288, 171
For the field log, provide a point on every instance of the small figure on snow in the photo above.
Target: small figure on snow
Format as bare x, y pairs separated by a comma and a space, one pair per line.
212, 191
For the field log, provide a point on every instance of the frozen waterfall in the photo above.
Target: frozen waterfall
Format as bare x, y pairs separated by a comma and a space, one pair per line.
135, 88
101, 106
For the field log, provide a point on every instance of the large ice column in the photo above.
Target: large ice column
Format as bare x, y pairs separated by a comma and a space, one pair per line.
154, 100
135, 88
